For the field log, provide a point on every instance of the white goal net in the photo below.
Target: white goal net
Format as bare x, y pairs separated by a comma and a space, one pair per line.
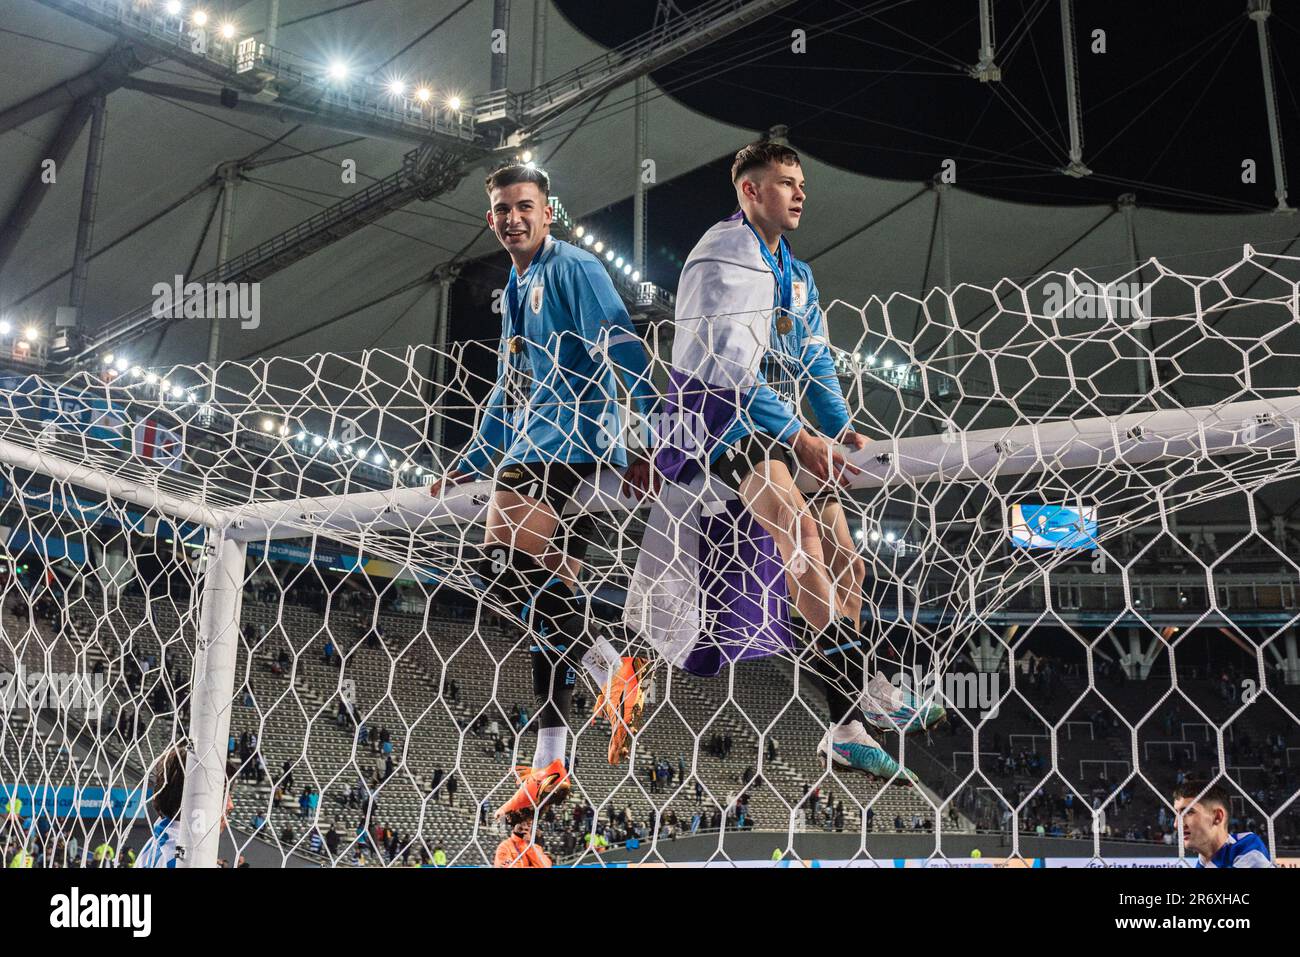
1075, 527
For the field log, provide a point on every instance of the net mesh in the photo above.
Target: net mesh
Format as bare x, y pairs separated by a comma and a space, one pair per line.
1072, 529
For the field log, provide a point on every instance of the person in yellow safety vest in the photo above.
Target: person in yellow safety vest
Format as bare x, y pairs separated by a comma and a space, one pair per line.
600, 843
21, 859
776, 854
104, 855
439, 857
14, 807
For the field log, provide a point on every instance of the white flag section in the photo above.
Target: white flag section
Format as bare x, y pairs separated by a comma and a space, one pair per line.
161, 446
664, 600
723, 317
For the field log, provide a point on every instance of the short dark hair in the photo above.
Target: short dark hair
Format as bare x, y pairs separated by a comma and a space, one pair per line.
169, 783
760, 154
513, 173
1214, 794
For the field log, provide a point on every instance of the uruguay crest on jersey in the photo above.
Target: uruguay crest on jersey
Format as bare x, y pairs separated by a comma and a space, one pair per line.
535, 297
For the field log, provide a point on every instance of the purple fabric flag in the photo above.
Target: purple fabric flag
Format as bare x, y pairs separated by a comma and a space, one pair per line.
747, 611
695, 419
742, 578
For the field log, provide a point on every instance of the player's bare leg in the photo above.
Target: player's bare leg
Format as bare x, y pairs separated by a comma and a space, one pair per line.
825, 581
847, 569
859, 699
518, 526
770, 495
884, 705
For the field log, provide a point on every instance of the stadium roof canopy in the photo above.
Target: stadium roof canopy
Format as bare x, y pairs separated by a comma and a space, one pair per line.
1174, 134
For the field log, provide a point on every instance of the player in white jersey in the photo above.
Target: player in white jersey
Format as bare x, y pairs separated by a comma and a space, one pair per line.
751, 343
552, 421
1205, 821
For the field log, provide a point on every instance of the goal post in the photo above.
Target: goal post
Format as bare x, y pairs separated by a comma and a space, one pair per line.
204, 803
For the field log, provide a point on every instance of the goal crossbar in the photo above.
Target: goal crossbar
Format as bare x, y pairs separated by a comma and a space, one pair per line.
1261, 425
1241, 427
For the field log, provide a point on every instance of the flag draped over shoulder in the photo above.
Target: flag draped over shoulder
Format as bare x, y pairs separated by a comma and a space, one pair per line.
709, 586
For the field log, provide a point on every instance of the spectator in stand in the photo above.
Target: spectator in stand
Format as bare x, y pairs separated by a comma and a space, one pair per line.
451, 789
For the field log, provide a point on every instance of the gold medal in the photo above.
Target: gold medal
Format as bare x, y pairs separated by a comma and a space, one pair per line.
517, 344
784, 323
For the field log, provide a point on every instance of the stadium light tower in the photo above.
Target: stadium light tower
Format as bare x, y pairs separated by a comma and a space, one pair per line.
1259, 11
986, 70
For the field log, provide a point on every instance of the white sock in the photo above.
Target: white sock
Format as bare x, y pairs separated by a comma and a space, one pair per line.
601, 660
550, 745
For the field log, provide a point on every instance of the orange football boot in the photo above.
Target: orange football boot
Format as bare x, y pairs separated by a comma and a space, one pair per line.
538, 787
622, 704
